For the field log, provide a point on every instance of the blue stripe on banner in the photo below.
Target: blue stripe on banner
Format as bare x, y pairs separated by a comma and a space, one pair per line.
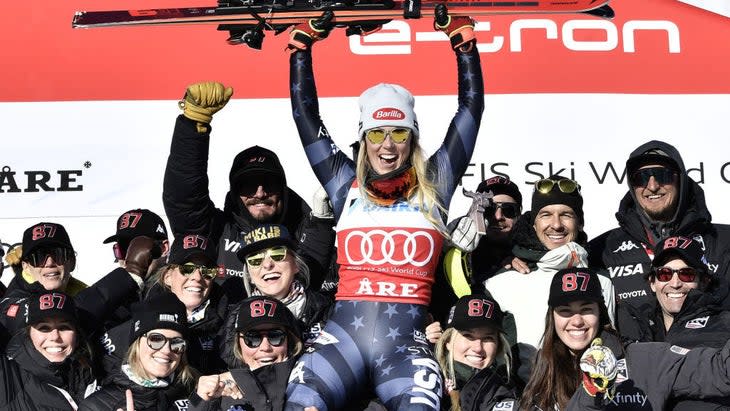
318, 151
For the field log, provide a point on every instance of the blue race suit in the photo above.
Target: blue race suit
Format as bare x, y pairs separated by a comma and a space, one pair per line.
387, 257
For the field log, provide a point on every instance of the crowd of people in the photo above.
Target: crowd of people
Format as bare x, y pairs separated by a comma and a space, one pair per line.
368, 300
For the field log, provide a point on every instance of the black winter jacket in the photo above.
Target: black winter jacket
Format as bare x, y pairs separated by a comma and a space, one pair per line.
264, 390
623, 250
94, 303
486, 390
190, 210
28, 381
649, 374
113, 396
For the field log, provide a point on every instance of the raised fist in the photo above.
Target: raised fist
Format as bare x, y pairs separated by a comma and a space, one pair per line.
303, 35
459, 29
202, 100
142, 251
599, 366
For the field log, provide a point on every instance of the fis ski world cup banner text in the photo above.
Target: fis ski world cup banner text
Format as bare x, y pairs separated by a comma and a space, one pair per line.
88, 114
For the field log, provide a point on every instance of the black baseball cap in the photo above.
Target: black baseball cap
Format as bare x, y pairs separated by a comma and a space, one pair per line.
575, 284
262, 309
689, 250
138, 222
501, 185
255, 161
474, 311
265, 236
51, 304
51, 235
190, 246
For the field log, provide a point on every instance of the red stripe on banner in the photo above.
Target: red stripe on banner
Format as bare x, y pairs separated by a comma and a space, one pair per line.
652, 46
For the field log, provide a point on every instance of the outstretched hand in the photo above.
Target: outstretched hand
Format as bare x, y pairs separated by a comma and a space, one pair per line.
141, 255
459, 29
303, 35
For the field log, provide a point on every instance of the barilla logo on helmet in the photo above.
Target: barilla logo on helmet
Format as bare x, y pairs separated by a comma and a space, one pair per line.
388, 113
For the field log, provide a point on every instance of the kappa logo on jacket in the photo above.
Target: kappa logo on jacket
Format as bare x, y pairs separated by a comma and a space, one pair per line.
626, 246
696, 323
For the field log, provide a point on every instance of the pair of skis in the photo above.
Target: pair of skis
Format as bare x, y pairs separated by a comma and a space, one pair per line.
246, 20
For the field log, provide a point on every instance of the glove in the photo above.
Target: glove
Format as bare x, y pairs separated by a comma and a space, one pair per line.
465, 235
321, 207
362, 29
303, 35
142, 251
599, 368
459, 29
202, 100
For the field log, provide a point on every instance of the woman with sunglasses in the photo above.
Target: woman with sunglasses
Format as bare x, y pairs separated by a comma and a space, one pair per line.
189, 275
266, 346
47, 364
475, 358
47, 259
155, 367
389, 203
273, 268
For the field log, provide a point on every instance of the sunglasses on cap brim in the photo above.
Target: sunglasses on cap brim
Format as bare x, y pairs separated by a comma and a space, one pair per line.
566, 186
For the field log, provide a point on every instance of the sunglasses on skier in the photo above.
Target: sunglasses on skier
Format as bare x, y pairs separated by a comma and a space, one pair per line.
509, 210
60, 256
156, 341
188, 269
397, 135
662, 176
277, 254
686, 274
566, 186
254, 338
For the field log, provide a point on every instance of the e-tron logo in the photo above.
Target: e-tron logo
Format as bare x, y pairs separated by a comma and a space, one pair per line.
397, 247
388, 113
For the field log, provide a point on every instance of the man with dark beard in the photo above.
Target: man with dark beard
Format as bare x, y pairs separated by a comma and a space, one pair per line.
258, 192
662, 201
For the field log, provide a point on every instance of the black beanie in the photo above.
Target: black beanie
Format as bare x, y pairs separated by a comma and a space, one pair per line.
575, 284
162, 312
573, 200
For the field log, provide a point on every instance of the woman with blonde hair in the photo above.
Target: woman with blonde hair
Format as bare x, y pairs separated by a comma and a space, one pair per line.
389, 207
155, 367
474, 356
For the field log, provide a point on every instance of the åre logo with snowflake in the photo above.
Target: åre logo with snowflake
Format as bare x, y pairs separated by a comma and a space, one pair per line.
397, 247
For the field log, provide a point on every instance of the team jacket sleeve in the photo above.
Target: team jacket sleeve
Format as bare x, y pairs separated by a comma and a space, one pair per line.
185, 187
334, 170
450, 161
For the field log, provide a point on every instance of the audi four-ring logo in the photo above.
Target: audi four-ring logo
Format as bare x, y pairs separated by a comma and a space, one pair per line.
397, 247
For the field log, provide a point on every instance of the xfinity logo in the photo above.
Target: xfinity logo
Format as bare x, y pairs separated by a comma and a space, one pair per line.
388, 113
589, 35
625, 246
624, 399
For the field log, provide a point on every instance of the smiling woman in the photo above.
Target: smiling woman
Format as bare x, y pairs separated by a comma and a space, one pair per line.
47, 364
155, 367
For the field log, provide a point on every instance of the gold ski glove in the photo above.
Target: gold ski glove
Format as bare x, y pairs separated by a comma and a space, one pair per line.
204, 99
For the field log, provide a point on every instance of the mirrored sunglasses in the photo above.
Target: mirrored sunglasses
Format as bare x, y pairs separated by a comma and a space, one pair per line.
686, 274
254, 338
188, 269
662, 176
38, 257
156, 341
566, 186
275, 253
509, 210
398, 135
